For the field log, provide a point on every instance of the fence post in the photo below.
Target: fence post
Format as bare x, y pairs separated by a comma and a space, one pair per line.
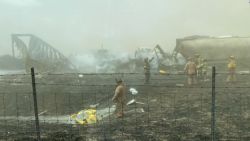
213, 106
35, 104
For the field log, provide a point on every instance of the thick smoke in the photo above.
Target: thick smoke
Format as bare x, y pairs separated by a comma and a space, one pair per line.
109, 61
103, 61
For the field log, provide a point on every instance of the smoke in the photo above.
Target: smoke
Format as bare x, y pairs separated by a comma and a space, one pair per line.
101, 61
112, 61
21, 3
80, 25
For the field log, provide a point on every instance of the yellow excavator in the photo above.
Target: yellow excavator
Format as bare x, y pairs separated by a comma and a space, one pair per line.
165, 60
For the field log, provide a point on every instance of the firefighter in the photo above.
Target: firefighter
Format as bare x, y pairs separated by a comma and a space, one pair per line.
196, 59
198, 62
191, 70
204, 69
231, 69
119, 98
147, 69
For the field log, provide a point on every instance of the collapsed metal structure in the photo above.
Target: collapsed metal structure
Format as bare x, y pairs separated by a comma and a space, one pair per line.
214, 48
37, 53
161, 60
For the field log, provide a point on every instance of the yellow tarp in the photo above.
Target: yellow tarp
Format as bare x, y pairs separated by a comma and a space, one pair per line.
163, 72
85, 117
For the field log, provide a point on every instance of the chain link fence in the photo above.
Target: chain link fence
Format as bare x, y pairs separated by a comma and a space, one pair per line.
166, 109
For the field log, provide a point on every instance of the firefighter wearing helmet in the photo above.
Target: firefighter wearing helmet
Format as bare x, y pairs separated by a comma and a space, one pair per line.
191, 70
147, 69
198, 62
231, 69
119, 98
204, 69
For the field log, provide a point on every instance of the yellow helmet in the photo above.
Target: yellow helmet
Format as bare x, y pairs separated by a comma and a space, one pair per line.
232, 57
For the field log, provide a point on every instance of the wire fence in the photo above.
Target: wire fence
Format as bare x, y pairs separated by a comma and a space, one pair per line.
166, 109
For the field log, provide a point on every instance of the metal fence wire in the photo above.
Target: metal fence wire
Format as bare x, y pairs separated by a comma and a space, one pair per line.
167, 109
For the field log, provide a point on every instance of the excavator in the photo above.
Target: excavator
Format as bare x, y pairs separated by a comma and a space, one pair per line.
165, 60
162, 62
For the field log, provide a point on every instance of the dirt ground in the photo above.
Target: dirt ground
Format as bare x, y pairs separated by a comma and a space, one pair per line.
171, 111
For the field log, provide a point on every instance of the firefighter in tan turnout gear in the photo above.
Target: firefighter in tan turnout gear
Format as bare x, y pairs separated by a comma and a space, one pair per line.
191, 71
119, 98
204, 69
231, 69
199, 65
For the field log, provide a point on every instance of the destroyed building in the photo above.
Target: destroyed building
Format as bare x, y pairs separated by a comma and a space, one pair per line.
215, 49
34, 52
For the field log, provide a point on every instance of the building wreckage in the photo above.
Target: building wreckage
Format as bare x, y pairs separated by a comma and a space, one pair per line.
38, 54
215, 49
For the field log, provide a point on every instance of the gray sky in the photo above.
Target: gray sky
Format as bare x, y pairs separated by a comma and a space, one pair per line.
74, 26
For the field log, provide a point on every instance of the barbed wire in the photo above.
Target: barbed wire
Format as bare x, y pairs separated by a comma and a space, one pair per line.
171, 106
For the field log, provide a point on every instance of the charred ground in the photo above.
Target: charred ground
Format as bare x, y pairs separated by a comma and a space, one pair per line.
171, 112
